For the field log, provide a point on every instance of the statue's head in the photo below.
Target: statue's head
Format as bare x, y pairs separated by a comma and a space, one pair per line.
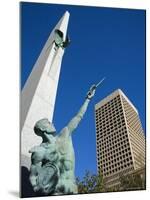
44, 126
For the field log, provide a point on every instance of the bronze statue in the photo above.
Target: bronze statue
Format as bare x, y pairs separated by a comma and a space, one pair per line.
53, 161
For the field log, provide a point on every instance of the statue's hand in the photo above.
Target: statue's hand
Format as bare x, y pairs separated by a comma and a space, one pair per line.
91, 92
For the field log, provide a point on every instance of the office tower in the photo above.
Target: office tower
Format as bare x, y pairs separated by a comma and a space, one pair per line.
120, 139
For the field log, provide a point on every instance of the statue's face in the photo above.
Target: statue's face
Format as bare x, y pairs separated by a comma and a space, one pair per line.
44, 125
49, 127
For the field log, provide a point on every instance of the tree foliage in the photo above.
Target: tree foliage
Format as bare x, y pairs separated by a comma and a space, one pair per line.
92, 183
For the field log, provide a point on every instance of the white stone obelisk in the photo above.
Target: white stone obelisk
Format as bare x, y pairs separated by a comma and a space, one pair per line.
39, 92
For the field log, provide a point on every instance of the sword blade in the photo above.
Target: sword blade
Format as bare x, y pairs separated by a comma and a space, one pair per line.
100, 82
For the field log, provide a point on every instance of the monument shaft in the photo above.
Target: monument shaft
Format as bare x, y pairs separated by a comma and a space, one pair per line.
39, 93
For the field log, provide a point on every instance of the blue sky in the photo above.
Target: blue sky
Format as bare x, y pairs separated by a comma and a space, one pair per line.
104, 42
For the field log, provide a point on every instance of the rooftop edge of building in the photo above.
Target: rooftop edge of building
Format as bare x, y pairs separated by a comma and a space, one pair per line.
113, 95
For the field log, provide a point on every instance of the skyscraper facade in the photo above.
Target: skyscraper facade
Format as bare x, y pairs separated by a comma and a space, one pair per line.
120, 139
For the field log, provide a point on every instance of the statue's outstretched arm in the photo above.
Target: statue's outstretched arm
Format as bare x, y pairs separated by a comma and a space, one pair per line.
72, 125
